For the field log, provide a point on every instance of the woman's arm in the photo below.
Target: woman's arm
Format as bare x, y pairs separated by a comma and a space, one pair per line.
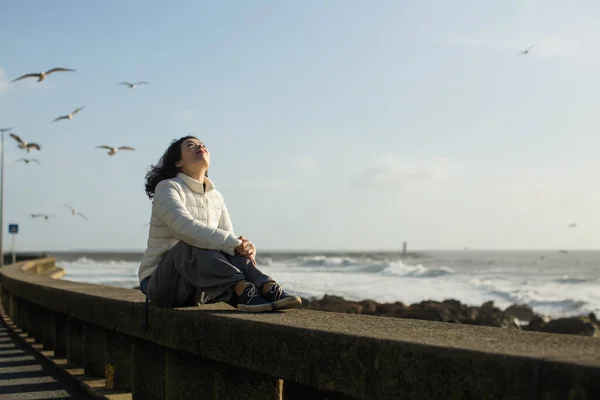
169, 207
225, 220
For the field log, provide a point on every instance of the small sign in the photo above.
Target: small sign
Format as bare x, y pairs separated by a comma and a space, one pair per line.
13, 228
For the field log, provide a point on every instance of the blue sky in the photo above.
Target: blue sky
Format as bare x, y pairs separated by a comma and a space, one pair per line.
333, 125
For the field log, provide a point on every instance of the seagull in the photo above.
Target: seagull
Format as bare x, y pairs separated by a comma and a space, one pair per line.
113, 150
25, 145
27, 160
564, 251
42, 75
526, 51
45, 216
75, 212
70, 115
572, 225
133, 85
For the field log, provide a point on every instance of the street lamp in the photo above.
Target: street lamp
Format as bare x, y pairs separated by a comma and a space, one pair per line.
3, 130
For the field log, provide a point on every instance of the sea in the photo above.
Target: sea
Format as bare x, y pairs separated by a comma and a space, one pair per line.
553, 283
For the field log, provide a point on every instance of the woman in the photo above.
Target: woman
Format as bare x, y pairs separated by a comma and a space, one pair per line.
193, 256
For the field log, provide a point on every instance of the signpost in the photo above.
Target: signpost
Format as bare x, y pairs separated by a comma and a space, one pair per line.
13, 229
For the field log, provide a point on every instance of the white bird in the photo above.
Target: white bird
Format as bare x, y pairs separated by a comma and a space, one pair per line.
572, 225
42, 75
27, 160
133, 85
113, 150
526, 51
70, 115
45, 216
75, 212
24, 145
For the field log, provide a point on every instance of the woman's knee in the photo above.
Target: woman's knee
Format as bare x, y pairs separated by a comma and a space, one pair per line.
169, 294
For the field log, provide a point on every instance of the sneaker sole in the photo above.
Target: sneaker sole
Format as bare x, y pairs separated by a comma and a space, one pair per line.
288, 302
257, 308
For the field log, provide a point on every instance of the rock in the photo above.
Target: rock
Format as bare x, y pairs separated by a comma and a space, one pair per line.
573, 326
489, 315
453, 311
369, 307
538, 323
521, 311
584, 325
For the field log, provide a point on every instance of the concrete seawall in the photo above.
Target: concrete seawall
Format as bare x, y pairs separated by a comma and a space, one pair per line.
215, 352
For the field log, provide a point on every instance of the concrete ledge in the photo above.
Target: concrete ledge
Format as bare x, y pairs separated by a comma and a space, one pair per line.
304, 351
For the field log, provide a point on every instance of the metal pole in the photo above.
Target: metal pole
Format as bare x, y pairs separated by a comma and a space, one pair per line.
14, 256
2, 199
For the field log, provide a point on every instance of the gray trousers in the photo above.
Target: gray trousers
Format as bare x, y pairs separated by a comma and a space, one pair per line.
188, 275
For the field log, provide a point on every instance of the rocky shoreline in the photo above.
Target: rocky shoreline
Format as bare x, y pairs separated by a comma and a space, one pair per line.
453, 311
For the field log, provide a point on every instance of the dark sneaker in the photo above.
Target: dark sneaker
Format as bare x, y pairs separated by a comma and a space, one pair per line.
251, 301
281, 299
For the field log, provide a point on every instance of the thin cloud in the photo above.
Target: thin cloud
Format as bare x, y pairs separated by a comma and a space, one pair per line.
391, 171
303, 163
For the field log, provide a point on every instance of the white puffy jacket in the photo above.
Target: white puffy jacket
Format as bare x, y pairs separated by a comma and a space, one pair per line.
182, 210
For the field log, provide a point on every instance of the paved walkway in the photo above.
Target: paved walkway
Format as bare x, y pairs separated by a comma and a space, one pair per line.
24, 376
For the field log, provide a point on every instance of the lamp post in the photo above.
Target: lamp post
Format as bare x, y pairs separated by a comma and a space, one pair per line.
3, 130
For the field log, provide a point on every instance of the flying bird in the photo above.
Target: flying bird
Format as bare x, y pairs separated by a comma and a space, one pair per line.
75, 212
27, 160
42, 75
45, 216
24, 145
70, 115
133, 85
572, 225
526, 51
113, 150
564, 251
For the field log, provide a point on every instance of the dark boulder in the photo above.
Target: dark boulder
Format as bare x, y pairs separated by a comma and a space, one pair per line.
521, 311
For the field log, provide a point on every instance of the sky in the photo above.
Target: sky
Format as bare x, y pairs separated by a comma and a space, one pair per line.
332, 125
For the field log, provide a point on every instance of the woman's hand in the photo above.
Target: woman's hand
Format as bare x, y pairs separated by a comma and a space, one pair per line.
246, 249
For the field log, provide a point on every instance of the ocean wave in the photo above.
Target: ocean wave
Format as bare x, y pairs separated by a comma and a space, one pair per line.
575, 281
541, 295
363, 265
326, 261
567, 305
264, 260
90, 262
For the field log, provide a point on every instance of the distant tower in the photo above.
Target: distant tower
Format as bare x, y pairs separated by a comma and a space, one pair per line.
403, 247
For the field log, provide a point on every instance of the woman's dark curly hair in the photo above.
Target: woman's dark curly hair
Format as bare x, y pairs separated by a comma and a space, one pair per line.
166, 168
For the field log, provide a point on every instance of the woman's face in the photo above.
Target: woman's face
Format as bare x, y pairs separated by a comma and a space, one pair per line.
194, 154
